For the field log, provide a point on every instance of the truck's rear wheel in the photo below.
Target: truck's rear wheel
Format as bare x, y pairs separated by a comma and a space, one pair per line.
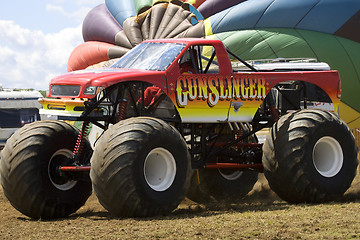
228, 185
313, 153
221, 184
140, 167
29, 170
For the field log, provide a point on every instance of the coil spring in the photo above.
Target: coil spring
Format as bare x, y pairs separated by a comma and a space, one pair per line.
81, 139
121, 110
238, 130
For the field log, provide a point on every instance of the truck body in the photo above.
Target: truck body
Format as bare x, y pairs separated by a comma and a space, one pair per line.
221, 94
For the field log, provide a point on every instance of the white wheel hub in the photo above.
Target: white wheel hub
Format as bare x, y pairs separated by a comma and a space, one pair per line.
159, 169
328, 156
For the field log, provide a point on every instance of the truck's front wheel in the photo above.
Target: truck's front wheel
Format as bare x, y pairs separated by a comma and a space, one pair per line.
310, 156
30, 173
140, 167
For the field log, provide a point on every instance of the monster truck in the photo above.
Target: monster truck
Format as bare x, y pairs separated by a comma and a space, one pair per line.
178, 118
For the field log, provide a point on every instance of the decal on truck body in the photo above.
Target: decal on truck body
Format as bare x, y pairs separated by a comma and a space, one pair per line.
213, 89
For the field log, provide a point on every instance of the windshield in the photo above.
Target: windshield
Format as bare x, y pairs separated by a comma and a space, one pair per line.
150, 56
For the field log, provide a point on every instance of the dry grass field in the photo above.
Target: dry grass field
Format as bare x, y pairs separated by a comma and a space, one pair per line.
261, 215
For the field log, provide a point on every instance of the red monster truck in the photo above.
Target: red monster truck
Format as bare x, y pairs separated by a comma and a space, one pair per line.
179, 117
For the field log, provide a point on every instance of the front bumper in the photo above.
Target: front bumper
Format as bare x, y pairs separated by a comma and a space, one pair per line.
62, 107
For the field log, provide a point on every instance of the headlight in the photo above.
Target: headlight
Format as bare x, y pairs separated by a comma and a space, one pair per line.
65, 90
92, 90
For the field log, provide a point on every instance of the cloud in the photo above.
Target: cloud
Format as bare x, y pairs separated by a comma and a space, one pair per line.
89, 2
79, 2
56, 8
82, 7
29, 59
78, 15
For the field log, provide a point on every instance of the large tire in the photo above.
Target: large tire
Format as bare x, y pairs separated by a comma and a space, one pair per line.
222, 185
29, 175
310, 156
140, 167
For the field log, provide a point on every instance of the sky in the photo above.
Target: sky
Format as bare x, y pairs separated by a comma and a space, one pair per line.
37, 38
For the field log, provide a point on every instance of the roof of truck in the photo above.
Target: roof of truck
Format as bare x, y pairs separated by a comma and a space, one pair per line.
19, 95
19, 99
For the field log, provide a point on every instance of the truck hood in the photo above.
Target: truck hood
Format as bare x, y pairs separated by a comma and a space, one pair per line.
102, 78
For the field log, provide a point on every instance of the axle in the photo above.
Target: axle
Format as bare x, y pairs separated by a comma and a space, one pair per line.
257, 166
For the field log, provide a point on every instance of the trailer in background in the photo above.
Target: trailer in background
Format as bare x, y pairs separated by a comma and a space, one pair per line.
17, 108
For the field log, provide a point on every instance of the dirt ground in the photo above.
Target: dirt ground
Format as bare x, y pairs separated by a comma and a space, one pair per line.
261, 215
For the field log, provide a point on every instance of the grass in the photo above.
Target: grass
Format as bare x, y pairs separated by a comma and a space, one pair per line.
260, 216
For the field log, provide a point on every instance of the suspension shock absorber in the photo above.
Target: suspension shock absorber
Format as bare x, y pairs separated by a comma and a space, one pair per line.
79, 145
121, 111
239, 130
271, 100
